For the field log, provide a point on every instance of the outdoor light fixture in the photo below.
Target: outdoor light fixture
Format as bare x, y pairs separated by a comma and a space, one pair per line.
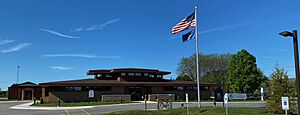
296, 58
286, 34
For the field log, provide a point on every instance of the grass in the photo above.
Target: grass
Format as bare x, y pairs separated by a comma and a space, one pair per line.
217, 101
78, 104
197, 111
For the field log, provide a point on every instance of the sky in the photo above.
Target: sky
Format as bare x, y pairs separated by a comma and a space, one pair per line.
54, 40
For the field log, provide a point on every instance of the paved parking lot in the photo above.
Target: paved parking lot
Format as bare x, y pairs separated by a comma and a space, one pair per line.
100, 110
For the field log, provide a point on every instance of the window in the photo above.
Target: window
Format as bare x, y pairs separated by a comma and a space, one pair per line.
105, 88
99, 75
46, 92
108, 75
123, 74
180, 88
146, 74
77, 88
159, 76
138, 74
69, 88
130, 74
151, 75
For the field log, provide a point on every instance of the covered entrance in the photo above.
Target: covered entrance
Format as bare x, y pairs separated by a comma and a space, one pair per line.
27, 95
138, 93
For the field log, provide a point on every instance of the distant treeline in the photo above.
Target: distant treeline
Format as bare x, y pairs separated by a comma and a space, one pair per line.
3, 93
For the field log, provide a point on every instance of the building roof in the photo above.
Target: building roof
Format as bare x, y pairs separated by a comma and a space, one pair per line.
119, 70
26, 84
96, 82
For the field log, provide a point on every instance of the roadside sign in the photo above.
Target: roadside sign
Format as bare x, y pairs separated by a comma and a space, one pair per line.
261, 90
91, 94
226, 98
285, 103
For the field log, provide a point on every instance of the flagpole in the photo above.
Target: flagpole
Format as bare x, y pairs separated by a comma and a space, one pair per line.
197, 58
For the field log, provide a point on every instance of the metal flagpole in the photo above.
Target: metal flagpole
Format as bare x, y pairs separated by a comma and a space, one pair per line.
18, 69
197, 58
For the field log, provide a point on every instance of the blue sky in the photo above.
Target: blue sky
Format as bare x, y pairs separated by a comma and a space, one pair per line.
61, 40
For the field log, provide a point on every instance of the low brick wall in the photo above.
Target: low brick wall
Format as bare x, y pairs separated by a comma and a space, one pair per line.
153, 97
116, 97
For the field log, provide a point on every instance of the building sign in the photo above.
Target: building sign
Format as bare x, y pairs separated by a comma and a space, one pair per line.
285, 103
91, 94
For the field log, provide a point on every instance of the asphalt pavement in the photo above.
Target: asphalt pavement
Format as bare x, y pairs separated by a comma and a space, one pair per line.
100, 110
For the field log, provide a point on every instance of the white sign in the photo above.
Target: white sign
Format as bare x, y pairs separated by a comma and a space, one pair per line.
261, 90
91, 94
187, 97
285, 103
226, 98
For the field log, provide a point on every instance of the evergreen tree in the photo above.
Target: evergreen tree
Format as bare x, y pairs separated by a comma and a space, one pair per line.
278, 87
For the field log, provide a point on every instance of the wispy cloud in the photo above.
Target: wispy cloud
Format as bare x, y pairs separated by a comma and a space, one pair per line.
268, 57
221, 28
58, 34
60, 67
97, 27
6, 41
16, 48
80, 56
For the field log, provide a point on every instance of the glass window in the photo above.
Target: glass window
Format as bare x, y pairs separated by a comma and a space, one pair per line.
130, 74
105, 88
99, 75
69, 88
77, 88
46, 92
108, 75
138, 74
123, 74
180, 88
146, 74
151, 75
159, 76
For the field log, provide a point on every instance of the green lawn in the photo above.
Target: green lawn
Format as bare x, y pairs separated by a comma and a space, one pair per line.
78, 104
196, 111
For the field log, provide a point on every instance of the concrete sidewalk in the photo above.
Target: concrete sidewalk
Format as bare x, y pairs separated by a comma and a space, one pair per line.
28, 106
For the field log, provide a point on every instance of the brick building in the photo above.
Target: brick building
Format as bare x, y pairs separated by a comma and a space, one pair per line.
127, 83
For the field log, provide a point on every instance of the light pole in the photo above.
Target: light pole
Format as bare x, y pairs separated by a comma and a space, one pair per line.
296, 58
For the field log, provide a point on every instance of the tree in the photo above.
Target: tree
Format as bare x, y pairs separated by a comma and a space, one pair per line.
278, 87
243, 74
209, 64
183, 78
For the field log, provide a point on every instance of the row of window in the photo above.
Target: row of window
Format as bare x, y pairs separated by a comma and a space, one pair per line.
129, 74
140, 74
185, 88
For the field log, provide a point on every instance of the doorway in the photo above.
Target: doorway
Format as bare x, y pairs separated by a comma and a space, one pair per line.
136, 93
27, 95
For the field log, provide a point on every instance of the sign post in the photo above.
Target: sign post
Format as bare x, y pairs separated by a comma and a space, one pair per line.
285, 104
187, 103
226, 102
262, 93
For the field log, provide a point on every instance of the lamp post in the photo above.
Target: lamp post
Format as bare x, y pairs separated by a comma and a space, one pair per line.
296, 58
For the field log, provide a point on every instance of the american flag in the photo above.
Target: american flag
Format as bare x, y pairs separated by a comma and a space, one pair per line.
188, 22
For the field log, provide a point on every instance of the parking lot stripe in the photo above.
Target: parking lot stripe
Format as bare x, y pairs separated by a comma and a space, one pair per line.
85, 111
67, 111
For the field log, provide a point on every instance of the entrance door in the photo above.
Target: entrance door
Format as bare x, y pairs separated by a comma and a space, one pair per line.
136, 93
27, 95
